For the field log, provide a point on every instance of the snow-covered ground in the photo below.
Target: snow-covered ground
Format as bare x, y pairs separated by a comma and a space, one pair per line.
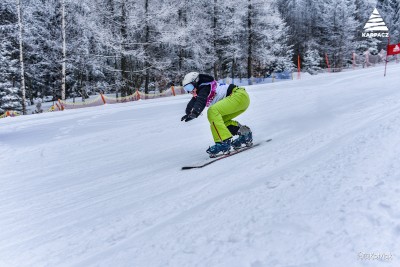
103, 186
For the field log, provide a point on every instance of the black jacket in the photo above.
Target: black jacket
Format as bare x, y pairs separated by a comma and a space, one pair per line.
197, 104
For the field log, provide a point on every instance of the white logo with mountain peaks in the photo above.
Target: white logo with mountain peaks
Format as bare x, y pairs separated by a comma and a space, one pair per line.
375, 26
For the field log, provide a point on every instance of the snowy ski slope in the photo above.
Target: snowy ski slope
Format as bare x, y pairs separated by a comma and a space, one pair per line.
103, 186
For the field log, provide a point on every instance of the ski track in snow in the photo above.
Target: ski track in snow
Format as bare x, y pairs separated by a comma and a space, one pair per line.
103, 187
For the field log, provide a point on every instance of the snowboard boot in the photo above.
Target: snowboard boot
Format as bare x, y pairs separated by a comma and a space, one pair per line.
223, 147
245, 138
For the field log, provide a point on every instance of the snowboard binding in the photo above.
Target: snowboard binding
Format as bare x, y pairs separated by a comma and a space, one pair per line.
219, 148
245, 138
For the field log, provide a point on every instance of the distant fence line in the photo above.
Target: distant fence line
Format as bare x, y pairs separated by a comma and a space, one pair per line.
104, 99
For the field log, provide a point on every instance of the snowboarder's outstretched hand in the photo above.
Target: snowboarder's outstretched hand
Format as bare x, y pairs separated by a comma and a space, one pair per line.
184, 118
188, 117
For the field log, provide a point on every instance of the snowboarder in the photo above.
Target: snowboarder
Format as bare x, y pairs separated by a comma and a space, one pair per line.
225, 102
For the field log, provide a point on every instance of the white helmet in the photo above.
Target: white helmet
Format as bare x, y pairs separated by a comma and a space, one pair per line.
190, 77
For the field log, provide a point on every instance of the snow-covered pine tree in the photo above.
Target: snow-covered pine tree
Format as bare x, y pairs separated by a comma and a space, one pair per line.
42, 48
280, 51
361, 44
164, 51
339, 29
191, 34
312, 61
304, 21
233, 34
9, 91
109, 28
84, 70
390, 12
9, 69
267, 39
102, 24
176, 36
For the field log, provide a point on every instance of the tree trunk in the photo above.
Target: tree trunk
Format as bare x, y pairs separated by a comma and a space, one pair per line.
233, 71
250, 43
124, 59
182, 21
64, 50
146, 46
21, 57
215, 41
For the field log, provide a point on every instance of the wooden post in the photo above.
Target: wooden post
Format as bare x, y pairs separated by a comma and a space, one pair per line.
298, 66
102, 97
61, 105
327, 62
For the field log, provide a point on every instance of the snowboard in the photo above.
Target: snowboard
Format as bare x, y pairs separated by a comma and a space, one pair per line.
224, 156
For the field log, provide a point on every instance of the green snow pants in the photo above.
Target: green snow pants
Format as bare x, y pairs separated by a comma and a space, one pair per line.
220, 114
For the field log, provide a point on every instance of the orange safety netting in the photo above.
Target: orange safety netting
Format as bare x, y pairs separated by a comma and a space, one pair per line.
10, 113
84, 104
104, 99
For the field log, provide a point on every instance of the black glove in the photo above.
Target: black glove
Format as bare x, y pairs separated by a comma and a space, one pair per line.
189, 117
184, 118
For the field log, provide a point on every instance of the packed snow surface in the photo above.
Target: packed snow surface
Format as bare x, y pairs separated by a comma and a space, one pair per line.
103, 186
